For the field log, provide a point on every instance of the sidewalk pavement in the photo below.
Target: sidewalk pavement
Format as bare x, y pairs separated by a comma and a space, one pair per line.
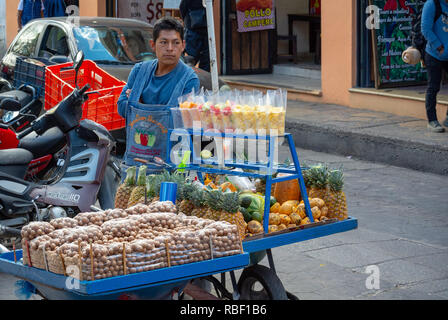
368, 135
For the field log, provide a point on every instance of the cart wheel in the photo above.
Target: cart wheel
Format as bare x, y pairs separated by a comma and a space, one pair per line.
260, 283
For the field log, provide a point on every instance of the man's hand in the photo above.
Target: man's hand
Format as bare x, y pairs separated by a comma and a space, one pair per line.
128, 93
441, 50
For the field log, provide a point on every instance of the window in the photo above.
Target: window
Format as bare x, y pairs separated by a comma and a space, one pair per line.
110, 44
26, 43
54, 43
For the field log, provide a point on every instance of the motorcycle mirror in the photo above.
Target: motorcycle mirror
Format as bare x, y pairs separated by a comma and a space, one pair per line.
10, 105
77, 62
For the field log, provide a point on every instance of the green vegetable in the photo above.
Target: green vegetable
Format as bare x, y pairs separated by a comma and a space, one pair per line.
245, 201
257, 216
273, 201
256, 204
247, 216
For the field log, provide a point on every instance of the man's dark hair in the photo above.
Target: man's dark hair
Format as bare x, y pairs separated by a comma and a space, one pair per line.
167, 23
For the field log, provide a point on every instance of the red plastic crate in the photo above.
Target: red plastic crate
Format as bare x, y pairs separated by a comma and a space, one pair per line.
101, 107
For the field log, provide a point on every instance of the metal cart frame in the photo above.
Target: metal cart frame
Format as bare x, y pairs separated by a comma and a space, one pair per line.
163, 283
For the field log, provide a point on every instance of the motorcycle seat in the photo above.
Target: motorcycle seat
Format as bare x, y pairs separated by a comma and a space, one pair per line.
15, 156
15, 161
48, 143
23, 97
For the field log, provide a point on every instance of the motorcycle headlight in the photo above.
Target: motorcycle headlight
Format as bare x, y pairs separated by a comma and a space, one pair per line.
9, 116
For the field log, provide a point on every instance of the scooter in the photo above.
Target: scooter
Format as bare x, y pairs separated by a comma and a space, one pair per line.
27, 108
87, 175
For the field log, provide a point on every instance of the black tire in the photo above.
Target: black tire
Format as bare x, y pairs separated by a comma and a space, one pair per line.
272, 286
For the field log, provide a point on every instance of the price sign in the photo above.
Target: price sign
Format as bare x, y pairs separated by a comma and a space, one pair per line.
145, 10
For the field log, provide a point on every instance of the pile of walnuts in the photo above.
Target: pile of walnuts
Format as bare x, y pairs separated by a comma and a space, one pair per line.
117, 242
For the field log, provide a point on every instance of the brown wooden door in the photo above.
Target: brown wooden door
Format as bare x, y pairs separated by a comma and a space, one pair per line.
246, 52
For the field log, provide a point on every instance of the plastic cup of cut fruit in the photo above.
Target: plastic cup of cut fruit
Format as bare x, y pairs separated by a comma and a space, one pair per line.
177, 115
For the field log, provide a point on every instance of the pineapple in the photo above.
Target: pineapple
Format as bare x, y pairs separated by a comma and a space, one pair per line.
317, 180
150, 195
337, 202
155, 181
179, 179
125, 189
139, 191
199, 202
230, 212
214, 202
186, 206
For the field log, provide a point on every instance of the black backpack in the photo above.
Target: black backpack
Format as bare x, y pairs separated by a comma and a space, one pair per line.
417, 38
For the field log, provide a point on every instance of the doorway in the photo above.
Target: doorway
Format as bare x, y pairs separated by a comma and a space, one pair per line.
244, 52
297, 56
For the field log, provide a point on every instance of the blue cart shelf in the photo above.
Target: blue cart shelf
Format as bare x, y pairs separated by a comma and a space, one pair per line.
161, 283
255, 169
155, 284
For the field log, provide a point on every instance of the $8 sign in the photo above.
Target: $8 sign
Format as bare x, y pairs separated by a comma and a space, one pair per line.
154, 10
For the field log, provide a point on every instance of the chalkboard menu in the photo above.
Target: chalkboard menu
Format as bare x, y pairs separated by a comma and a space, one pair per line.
391, 39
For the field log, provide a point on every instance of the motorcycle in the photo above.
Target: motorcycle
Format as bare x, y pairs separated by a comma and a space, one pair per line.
27, 108
87, 175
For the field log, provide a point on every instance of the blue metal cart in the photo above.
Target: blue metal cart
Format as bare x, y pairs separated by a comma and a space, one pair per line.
163, 283
257, 246
155, 284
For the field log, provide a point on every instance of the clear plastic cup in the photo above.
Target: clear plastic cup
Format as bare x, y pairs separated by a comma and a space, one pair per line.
178, 122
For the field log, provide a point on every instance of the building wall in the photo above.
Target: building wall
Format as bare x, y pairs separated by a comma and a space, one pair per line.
92, 8
11, 20
338, 50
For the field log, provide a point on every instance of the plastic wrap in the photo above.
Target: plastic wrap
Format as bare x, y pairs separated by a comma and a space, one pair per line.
35, 252
138, 243
224, 237
139, 208
162, 206
35, 229
90, 218
64, 222
115, 214
120, 229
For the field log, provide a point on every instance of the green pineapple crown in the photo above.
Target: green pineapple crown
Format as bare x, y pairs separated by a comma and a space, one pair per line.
130, 176
166, 176
317, 176
336, 180
188, 190
141, 178
214, 199
198, 197
150, 182
230, 202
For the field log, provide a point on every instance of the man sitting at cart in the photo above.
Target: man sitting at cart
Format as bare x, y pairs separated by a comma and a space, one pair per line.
153, 88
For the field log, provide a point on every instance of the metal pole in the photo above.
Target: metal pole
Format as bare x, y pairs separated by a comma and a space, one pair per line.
208, 4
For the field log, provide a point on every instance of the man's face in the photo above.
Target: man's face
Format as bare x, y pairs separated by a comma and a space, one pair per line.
168, 47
